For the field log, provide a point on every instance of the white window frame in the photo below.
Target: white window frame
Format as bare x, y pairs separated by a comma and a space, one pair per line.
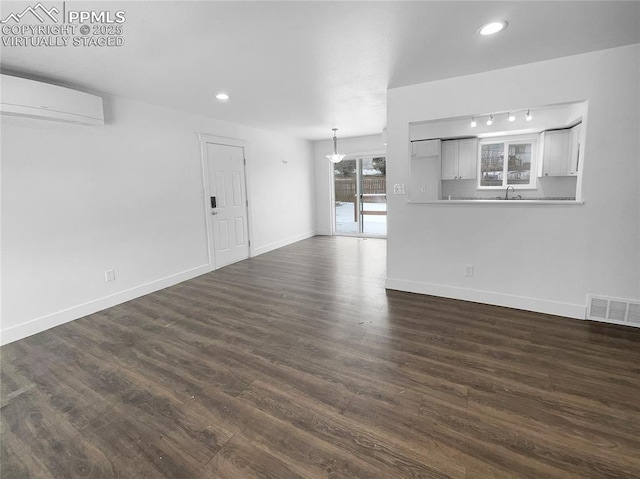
507, 140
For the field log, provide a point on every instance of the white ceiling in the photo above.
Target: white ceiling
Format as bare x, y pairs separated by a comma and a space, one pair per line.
302, 68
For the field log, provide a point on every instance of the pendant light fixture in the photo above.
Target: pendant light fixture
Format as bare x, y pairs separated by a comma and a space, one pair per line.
335, 157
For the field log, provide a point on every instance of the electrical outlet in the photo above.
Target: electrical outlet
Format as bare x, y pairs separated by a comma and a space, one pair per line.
398, 189
110, 275
468, 270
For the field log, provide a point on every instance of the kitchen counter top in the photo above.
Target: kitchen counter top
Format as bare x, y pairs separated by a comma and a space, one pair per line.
495, 201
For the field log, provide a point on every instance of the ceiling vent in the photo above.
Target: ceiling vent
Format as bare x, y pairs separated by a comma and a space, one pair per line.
614, 310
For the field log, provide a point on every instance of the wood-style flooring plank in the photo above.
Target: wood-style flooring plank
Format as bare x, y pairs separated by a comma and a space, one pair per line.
298, 364
242, 459
390, 457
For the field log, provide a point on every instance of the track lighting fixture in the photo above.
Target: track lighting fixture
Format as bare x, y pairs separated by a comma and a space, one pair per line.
511, 117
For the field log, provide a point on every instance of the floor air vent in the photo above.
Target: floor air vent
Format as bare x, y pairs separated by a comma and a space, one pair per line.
614, 310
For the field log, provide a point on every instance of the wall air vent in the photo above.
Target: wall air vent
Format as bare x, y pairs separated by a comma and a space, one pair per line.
614, 310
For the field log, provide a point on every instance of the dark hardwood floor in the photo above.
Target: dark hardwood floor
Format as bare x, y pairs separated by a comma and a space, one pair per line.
298, 364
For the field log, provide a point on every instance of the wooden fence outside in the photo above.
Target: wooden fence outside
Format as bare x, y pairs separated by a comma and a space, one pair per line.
345, 188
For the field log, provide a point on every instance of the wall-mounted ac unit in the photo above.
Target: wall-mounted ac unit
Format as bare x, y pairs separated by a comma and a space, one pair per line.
29, 98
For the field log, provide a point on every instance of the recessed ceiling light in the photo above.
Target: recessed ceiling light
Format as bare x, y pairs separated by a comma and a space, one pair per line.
491, 28
222, 96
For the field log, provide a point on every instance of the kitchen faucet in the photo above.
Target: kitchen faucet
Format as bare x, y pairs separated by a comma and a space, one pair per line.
506, 194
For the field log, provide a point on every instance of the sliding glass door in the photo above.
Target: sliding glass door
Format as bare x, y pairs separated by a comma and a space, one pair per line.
360, 196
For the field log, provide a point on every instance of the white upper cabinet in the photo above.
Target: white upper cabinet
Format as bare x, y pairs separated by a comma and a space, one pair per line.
556, 151
450, 150
459, 159
468, 159
424, 148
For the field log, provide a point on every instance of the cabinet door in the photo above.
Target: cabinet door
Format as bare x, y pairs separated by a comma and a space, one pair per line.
556, 153
450, 160
424, 148
468, 159
575, 150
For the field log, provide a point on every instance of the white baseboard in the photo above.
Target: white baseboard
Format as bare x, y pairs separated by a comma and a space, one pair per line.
48, 321
613, 321
279, 244
577, 311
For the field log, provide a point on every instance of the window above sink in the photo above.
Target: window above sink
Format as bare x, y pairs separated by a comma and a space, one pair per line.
507, 161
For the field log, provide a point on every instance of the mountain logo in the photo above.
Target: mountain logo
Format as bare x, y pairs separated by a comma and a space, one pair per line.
38, 11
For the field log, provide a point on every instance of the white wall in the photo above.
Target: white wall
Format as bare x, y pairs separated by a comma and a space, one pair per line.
78, 200
324, 177
541, 258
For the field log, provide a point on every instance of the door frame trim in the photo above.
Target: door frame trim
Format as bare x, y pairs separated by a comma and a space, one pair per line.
204, 139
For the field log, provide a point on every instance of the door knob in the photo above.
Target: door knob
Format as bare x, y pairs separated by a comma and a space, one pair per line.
214, 212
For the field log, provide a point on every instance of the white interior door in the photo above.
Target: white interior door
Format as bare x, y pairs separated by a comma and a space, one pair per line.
227, 204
